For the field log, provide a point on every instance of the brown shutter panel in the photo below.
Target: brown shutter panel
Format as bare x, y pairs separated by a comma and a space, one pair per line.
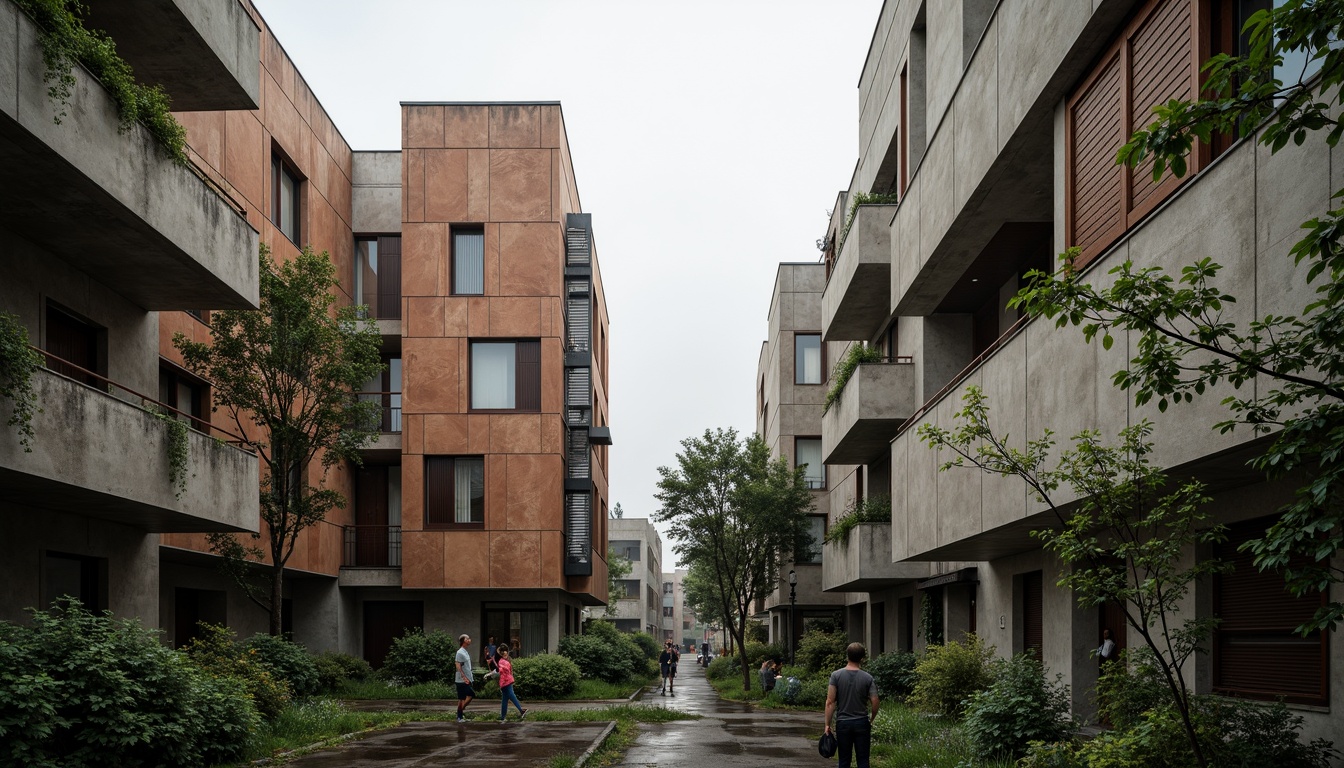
1256, 653
528, 376
1095, 127
389, 277
438, 491
1033, 614
1161, 55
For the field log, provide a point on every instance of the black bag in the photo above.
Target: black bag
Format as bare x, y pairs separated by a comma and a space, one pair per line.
827, 746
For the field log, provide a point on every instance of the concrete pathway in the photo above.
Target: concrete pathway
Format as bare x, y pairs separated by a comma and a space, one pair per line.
475, 743
730, 733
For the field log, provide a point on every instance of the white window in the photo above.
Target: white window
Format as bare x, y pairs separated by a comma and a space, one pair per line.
808, 454
807, 358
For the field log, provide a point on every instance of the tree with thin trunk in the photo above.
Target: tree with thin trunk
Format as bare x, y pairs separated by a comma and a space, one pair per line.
287, 376
738, 514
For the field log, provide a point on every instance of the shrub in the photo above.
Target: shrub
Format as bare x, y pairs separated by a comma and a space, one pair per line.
1019, 707
287, 661
1042, 754
822, 651
757, 653
1130, 687
546, 676
605, 653
82, 690
650, 646
221, 656
723, 667
949, 674
419, 657
894, 673
758, 633
333, 669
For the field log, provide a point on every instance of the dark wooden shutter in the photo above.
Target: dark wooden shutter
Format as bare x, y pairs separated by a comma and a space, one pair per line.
438, 491
1162, 67
371, 516
1256, 653
389, 277
527, 376
1033, 626
75, 342
1096, 129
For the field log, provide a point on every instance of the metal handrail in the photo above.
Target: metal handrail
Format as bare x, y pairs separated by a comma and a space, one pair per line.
964, 373
383, 543
390, 421
194, 421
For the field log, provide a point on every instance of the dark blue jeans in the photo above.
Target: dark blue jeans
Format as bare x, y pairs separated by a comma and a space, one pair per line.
855, 736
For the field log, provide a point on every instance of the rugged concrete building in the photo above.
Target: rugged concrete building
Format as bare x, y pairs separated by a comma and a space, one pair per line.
638, 604
482, 508
997, 125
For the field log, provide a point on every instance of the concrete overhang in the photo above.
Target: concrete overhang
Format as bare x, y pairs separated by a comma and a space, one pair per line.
857, 298
98, 456
370, 577
862, 562
206, 54
111, 203
859, 426
384, 448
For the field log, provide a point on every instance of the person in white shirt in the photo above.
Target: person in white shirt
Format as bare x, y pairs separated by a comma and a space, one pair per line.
1107, 650
463, 677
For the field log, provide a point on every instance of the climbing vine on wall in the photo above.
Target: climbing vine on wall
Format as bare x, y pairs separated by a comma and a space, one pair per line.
17, 361
178, 451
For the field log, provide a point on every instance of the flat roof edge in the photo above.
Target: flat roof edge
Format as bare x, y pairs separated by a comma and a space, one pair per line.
479, 103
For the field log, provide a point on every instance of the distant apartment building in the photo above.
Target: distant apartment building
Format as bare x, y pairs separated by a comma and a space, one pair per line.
638, 604
481, 508
997, 127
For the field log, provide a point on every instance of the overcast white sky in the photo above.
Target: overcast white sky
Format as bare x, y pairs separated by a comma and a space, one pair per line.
709, 138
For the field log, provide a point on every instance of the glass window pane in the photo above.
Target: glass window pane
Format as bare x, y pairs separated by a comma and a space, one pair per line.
287, 213
366, 274
469, 491
817, 529
809, 453
468, 262
492, 375
807, 358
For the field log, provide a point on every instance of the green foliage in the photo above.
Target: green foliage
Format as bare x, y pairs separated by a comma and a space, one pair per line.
701, 595
811, 694
337, 669
286, 374
1130, 687
78, 689
66, 42
1052, 754
618, 567
894, 673
221, 656
857, 355
605, 653
821, 651
906, 738
421, 657
178, 450
724, 667
874, 509
17, 362
757, 632
950, 674
646, 642
862, 198
286, 661
736, 514
1021, 706
931, 618
545, 676
759, 652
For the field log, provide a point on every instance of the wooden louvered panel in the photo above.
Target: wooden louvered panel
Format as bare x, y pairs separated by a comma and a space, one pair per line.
528, 377
389, 277
1095, 194
1161, 55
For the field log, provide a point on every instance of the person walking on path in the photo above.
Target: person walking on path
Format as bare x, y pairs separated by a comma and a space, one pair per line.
704, 654
672, 668
506, 692
664, 667
463, 677
847, 693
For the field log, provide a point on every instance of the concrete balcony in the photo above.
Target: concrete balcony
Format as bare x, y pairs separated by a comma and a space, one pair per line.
111, 203
205, 55
857, 298
100, 456
862, 561
876, 400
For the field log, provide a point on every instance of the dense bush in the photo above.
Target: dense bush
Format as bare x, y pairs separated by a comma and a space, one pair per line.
219, 654
648, 644
757, 632
821, 651
759, 652
546, 676
894, 673
1052, 754
949, 674
1021, 706
286, 660
82, 690
723, 667
333, 669
605, 653
1130, 687
420, 657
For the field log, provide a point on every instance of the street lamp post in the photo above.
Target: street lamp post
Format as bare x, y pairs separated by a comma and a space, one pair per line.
793, 600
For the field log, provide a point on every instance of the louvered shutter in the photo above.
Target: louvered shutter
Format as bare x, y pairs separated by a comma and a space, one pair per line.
389, 277
1162, 67
1096, 130
528, 376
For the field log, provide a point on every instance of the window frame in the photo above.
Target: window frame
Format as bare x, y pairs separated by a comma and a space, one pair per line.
201, 394
451, 492
817, 438
463, 229
819, 544
518, 364
821, 362
280, 164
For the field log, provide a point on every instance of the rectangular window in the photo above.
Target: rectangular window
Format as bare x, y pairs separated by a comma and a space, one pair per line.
378, 276
185, 393
629, 549
468, 262
807, 358
816, 529
454, 491
285, 188
506, 375
807, 453
83, 578
523, 626
78, 346
627, 589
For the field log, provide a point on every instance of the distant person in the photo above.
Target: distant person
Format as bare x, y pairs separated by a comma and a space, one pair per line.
704, 654
506, 693
849, 690
769, 673
675, 650
491, 649
1107, 650
665, 666
462, 677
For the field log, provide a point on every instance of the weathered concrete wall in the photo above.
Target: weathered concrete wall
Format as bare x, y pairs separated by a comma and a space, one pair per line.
376, 192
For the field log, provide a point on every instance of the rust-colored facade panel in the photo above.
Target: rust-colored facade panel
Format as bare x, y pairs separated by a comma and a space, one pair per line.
515, 433
455, 317
431, 374
466, 559
466, 126
424, 259
520, 185
422, 558
245, 144
515, 559
515, 125
446, 434
424, 126
478, 185
550, 125
413, 187
445, 185
530, 261
515, 316
424, 316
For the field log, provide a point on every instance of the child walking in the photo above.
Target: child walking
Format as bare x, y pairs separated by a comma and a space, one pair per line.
506, 693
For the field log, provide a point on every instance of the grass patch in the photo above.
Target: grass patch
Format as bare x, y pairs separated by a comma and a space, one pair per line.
378, 690
906, 738
561, 761
627, 717
317, 720
600, 689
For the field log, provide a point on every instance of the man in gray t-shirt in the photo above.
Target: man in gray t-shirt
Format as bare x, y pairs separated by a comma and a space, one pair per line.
851, 696
462, 676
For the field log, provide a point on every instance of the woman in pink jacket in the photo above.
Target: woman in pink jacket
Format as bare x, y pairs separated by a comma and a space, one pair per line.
506, 685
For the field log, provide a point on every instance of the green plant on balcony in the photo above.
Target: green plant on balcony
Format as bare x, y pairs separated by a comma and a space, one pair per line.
66, 41
863, 198
178, 450
17, 361
874, 509
857, 355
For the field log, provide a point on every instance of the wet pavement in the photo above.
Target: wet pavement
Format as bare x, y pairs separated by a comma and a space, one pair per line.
475, 743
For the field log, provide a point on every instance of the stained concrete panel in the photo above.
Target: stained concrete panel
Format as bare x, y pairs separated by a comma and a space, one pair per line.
975, 125
944, 51
1025, 65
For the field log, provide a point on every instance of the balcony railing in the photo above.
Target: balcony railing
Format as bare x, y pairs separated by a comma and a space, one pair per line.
389, 420
372, 546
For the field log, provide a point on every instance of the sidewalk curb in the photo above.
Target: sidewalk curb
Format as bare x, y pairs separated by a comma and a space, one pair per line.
596, 745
